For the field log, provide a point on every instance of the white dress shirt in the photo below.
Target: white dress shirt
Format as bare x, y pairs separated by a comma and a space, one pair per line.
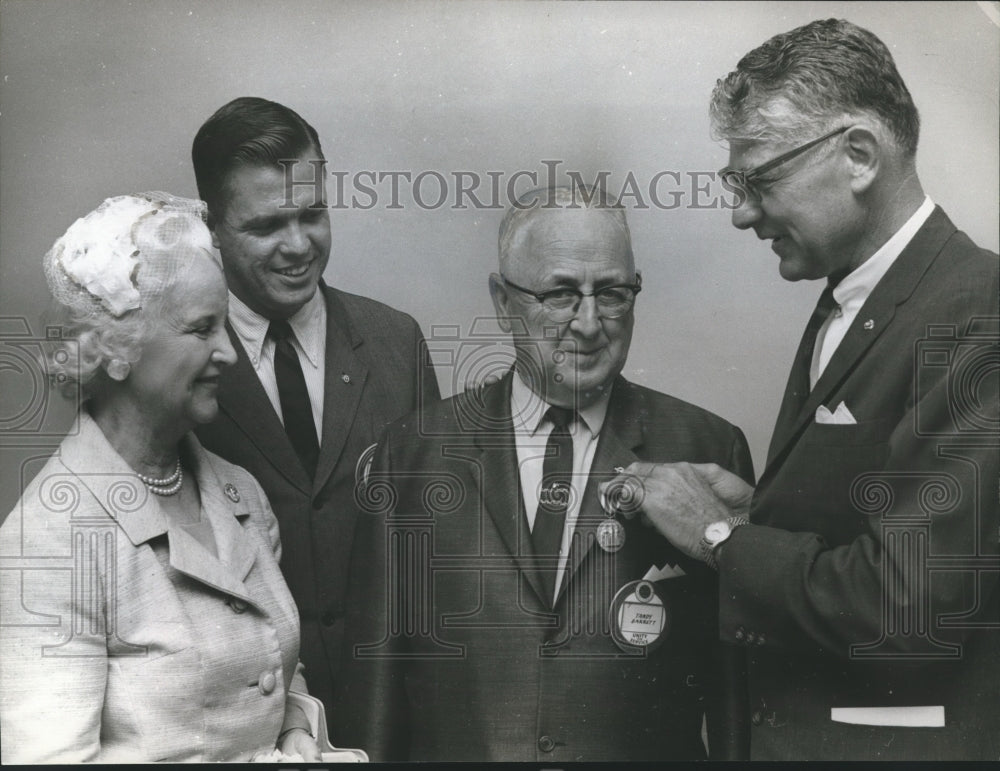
851, 293
309, 326
531, 435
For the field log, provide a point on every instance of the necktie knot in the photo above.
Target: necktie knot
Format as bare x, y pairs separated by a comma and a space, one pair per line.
280, 331
826, 303
561, 417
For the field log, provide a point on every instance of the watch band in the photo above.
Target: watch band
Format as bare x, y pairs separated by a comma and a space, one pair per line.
709, 550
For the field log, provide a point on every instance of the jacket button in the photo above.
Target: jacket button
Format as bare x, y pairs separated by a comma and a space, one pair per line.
329, 618
267, 682
318, 504
757, 718
546, 744
238, 605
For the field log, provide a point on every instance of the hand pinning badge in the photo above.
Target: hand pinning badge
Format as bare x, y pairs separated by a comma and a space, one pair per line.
617, 498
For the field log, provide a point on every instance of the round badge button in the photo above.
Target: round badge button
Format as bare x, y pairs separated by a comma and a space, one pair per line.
640, 620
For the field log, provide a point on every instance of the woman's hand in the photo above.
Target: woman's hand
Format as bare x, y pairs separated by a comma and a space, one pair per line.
298, 742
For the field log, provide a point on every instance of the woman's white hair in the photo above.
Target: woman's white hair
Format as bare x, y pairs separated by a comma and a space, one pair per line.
107, 275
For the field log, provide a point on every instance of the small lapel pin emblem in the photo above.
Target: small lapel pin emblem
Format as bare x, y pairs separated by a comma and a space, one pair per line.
346, 378
231, 492
870, 324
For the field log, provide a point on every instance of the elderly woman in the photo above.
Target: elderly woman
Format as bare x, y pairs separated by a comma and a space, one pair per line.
144, 617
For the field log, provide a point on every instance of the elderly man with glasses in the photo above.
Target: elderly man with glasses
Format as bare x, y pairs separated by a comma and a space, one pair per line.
864, 584
501, 608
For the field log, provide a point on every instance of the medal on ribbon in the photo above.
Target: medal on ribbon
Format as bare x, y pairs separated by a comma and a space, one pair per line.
615, 499
610, 535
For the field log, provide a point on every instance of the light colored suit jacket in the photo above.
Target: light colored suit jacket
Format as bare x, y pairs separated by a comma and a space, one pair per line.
121, 637
456, 650
869, 577
374, 375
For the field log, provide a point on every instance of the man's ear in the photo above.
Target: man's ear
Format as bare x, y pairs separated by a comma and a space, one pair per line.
864, 154
501, 301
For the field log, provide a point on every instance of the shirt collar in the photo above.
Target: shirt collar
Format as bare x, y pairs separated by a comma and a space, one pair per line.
528, 408
308, 324
249, 326
854, 289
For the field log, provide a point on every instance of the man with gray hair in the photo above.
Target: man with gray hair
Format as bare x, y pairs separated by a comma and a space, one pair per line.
501, 608
864, 584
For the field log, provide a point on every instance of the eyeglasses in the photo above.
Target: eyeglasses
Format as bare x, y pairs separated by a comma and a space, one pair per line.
561, 304
745, 180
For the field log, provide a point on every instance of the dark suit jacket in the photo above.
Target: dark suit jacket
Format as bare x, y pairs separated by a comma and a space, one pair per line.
474, 664
870, 576
373, 376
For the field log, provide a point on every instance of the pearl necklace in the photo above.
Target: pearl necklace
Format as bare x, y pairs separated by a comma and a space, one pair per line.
166, 486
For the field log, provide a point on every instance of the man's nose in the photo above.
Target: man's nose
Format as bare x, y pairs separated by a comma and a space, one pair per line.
746, 214
587, 321
295, 240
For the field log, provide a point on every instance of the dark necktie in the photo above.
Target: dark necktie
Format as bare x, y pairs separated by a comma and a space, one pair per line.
295, 405
554, 495
797, 390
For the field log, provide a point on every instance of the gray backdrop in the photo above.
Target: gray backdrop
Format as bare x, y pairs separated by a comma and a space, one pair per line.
103, 97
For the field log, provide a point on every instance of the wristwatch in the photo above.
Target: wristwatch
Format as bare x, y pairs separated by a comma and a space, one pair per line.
715, 535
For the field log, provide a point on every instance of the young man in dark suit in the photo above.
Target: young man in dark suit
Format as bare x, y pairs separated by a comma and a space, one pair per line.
320, 372
500, 609
865, 585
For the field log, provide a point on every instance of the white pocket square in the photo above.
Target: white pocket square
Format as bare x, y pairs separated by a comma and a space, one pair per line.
839, 417
910, 717
667, 571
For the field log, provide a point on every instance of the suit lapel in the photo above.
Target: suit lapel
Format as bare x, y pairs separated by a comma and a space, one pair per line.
501, 480
858, 339
236, 553
189, 557
620, 435
137, 512
243, 399
872, 320
234, 548
345, 379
